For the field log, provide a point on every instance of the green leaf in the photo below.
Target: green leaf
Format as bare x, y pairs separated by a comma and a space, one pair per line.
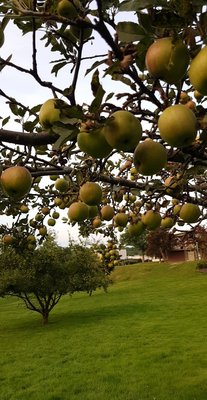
130, 31
56, 68
14, 108
5, 120
95, 65
95, 105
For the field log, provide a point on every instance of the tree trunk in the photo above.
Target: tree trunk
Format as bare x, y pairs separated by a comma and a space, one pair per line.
45, 317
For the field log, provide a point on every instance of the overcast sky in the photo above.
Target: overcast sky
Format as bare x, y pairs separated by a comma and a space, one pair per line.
24, 88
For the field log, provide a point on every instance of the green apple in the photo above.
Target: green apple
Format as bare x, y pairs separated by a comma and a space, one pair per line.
178, 126
167, 222
167, 59
135, 229
90, 193
150, 157
123, 131
51, 221
198, 71
16, 182
78, 211
189, 212
93, 143
62, 185
55, 215
151, 219
121, 219
66, 9
51, 112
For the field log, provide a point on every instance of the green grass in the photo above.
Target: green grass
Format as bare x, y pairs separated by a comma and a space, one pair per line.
143, 340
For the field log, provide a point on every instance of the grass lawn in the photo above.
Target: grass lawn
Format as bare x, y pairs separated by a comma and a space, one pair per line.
146, 339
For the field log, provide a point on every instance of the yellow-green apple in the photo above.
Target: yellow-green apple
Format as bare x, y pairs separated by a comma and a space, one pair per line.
107, 212
93, 143
198, 71
51, 221
151, 219
90, 193
62, 185
178, 125
66, 9
150, 157
121, 219
135, 229
51, 112
167, 59
78, 211
16, 182
167, 222
42, 230
190, 212
123, 131
55, 215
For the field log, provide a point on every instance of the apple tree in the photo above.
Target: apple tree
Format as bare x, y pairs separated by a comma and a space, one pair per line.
41, 277
132, 155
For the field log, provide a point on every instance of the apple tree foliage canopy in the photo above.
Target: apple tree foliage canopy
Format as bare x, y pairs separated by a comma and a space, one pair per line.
144, 147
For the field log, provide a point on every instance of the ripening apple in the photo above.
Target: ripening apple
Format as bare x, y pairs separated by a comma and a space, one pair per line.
198, 71
167, 59
42, 230
123, 131
66, 9
167, 222
51, 221
107, 212
31, 239
189, 212
178, 126
16, 182
121, 219
8, 239
90, 193
51, 112
96, 222
151, 219
78, 211
150, 157
45, 210
55, 215
62, 185
135, 229
93, 143
24, 208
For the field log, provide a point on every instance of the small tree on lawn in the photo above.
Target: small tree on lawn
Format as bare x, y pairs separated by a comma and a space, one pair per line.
40, 278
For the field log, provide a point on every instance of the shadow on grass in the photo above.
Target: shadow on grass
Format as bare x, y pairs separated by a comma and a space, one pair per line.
68, 318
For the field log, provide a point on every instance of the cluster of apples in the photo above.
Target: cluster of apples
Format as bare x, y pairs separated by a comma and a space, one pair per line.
72, 10
109, 256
